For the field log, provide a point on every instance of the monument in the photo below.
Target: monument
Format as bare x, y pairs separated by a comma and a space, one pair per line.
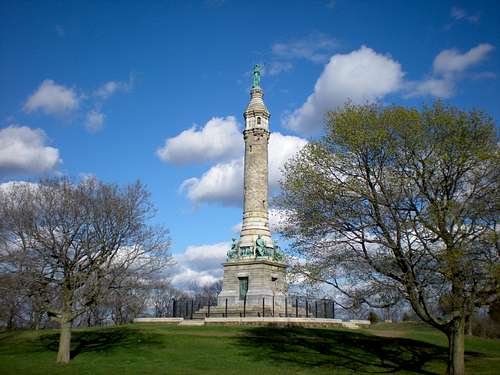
254, 272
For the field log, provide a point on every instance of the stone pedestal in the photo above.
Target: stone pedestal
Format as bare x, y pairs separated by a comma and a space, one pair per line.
266, 279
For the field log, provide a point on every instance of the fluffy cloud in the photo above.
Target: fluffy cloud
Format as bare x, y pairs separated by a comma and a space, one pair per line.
94, 121
361, 76
223, 183
452, 61
23, 151
448, 68
52, 98
220, 139
199, 265
438, 87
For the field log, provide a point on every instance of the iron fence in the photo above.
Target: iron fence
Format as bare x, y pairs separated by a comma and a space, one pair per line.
293, 306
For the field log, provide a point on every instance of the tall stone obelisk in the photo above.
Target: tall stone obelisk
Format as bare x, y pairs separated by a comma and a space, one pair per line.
255, 272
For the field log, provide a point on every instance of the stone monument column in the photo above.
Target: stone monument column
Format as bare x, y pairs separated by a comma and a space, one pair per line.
254, 273
255, 196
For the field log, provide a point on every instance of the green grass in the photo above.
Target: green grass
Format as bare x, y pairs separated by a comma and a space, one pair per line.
163, 349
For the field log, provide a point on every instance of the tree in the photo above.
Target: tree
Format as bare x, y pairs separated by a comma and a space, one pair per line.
70, 243
401, 203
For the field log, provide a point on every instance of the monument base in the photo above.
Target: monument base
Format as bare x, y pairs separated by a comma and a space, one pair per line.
253, 282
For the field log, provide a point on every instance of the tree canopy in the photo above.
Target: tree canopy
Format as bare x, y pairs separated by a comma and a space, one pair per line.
396, 203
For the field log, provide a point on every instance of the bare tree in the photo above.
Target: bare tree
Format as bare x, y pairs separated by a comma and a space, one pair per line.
69, 243
399, 203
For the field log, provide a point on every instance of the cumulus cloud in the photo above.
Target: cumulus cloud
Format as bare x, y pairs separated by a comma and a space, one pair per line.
223, 182
451, 61
199, 265
438, 87
94, 121
448, 68
361, 76
23, 151
220, 139
52, 99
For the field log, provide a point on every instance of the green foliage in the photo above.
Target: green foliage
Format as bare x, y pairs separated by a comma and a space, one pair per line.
397, 203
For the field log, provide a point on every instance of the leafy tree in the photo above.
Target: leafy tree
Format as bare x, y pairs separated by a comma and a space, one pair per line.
70, 244
395, 203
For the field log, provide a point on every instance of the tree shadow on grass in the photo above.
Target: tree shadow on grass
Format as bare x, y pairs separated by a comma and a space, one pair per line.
102, 340
336, 349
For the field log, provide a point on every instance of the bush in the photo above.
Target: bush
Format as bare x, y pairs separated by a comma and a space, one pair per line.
373, 317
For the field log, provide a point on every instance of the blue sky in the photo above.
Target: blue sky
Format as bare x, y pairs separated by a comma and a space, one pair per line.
127, 90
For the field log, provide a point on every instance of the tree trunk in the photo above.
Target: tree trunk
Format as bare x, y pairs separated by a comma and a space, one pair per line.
456, 364
468, 325
63, 355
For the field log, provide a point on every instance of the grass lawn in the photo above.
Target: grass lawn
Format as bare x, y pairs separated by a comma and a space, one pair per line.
162, 349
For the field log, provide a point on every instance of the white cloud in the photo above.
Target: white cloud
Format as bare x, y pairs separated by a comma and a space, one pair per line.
199, 265
361, 76
448, 68
452, 61
438, 87
94, 121
220, 139
223, 183
23, 151
314, 47
111, 87
52, 98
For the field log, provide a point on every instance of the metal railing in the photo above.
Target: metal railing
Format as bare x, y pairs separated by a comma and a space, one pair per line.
294, 306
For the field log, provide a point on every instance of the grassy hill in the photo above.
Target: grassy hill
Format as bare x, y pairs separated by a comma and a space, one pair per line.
161, 349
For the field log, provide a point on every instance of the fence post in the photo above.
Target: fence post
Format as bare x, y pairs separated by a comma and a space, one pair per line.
286, 308
245, 306
208, 313
263, 314
225, 312
307, 308
333, 309
324, 307
273, 305
192, 308
296, 307
187, 308
173, 308
316, 309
